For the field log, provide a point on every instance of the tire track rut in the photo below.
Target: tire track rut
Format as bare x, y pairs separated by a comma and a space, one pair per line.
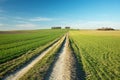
64, 67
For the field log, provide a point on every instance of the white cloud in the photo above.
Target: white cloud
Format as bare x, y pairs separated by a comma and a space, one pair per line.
99, 24
21, 18
90, 24
41, 19
4, 27
27, 26
22, 23
1, 25
18, 19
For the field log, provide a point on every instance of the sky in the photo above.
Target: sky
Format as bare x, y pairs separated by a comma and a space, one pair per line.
44, 14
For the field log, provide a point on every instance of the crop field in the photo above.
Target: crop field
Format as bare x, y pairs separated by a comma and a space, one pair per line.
59, 54
18, 47
98, 52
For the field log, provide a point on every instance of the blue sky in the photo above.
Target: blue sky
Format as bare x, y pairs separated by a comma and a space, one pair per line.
43, 14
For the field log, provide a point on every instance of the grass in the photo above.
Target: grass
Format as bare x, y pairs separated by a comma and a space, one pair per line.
20, 47
99, 53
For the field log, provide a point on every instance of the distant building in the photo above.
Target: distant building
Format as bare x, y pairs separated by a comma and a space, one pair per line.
55, 27
67, 27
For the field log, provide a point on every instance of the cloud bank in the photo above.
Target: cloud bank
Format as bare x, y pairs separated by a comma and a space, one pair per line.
41, 19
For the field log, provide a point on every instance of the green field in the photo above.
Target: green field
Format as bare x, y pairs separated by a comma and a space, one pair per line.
98, 52
18, 47
14, 45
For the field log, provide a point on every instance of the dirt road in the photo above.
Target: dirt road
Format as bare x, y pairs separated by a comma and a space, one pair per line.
64, 67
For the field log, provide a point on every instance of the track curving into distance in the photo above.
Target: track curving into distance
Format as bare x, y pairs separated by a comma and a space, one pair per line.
19, 73
64, 68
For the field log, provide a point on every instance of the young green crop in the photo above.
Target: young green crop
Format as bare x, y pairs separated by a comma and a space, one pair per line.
99, 52
23, 50
14, 45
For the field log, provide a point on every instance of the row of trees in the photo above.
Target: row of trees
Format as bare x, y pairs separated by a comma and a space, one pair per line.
59, 27
106, 28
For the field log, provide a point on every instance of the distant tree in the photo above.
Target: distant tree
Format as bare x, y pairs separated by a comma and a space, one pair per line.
105, 28
67, 27
55, 27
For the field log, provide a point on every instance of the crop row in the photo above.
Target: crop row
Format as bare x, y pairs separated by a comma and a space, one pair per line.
99, 55
20, 48
25, 35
